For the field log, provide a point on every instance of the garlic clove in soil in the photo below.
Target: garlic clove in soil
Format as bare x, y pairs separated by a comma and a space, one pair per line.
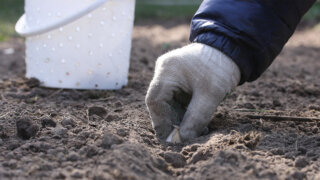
174, 136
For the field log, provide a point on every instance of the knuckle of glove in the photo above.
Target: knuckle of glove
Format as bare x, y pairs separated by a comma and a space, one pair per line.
167, 60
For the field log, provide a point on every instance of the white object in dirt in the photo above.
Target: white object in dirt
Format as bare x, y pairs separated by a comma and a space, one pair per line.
8, 51
174, 136
78, 44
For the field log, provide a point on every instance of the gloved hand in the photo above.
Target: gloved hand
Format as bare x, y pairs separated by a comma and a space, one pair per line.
188, 85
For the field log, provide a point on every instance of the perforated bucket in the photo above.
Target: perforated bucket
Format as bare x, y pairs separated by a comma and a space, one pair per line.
79, 44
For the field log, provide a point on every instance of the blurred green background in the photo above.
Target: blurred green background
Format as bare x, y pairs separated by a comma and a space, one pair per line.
11, 10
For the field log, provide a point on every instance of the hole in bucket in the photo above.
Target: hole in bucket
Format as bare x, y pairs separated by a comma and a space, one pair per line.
90, 35
90, 15
63, 61
102, 23
101, 45
78, 46
70, 38
61, 45
44, 45
61, 29
53, 49
90, 53
78, 29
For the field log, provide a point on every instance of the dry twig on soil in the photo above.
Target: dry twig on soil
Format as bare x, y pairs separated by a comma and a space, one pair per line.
282, 118
256, 110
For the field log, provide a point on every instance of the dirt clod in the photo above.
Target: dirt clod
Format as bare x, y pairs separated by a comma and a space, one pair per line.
277, 151
111, 117
26, 129
77, 175
33, 82
198, 156
175, 159
73, 156
97, 110
48, 122
298, 175
301, 162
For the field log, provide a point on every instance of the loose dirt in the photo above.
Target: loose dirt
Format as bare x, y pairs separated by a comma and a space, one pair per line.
71, 134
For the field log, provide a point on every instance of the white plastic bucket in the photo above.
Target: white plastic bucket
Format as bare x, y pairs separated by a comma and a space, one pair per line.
78, 44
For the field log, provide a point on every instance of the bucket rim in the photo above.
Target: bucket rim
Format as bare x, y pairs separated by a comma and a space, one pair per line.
23, 29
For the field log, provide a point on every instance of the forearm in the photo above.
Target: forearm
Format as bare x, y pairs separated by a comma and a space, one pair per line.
252, 33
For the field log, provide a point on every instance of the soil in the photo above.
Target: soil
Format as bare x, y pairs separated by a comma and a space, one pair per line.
72, 134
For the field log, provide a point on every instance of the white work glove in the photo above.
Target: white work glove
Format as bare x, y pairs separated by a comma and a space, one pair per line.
188, 85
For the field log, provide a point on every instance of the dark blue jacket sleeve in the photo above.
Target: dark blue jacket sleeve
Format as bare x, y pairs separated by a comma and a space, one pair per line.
251, 32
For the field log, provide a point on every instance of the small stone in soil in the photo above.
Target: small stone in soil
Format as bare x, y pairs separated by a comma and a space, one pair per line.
122, 132
97, 110
109, 139
26, 129
68, 122
60, 132
175, 159
48, 122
